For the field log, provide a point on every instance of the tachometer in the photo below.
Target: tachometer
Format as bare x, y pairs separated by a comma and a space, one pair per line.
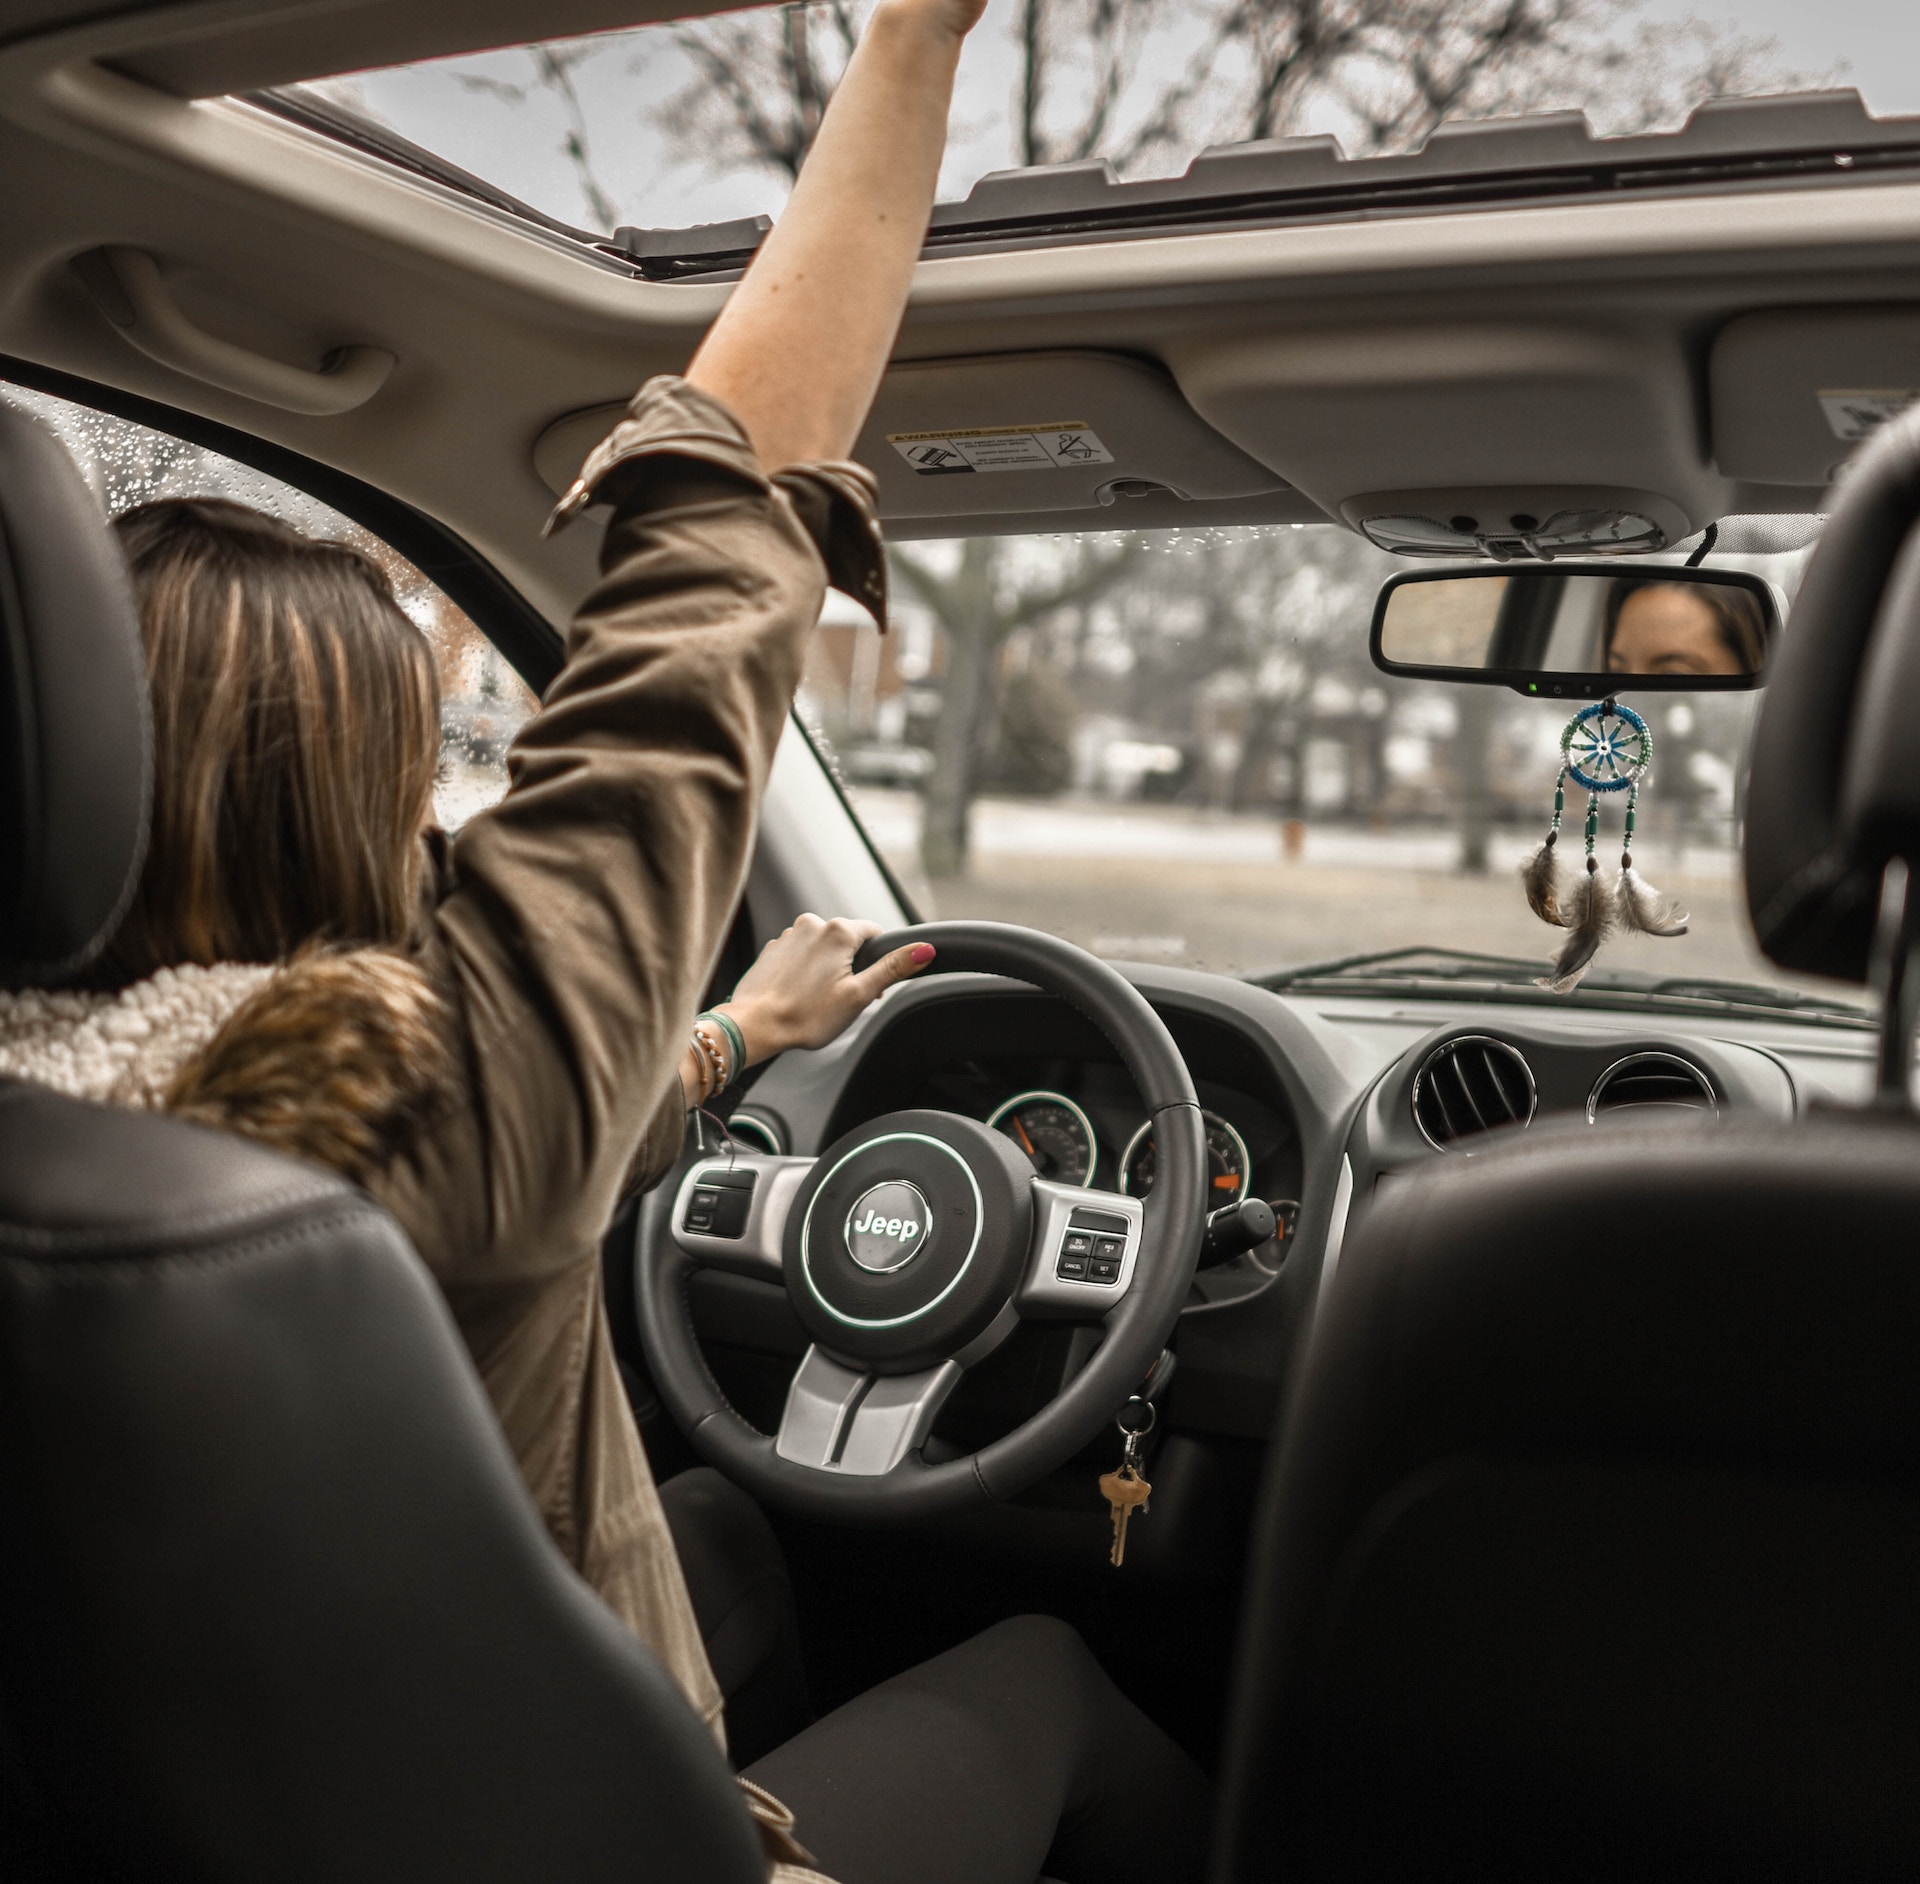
1229, 1169
1053, 1132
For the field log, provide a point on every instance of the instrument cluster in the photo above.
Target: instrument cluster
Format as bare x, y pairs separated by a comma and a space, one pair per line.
1058, 1135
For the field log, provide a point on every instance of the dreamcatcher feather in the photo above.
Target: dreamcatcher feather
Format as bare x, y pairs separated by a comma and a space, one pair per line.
1590, 914
1605, 748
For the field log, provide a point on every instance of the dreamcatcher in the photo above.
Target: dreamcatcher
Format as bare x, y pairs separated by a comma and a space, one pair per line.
1605, 749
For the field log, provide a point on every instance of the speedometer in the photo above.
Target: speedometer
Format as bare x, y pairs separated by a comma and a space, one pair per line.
1053, 1132
1229, 1169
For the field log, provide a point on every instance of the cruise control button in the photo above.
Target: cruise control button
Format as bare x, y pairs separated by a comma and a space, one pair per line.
1110, 1247
1103, 1269
1074, 1268
1076, 1244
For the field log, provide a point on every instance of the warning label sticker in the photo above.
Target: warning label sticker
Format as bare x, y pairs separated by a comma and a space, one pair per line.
1855, 414
1052, 447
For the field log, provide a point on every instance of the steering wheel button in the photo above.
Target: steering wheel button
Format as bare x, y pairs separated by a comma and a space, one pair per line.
1076, 1244
1074, 1268
1104, 1269
1110, 1247
730, 1214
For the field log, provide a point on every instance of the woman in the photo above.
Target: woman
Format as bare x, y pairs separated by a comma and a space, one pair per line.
497, 1035
1655, 626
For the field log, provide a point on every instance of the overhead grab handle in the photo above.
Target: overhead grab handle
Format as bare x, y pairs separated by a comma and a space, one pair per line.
127, 285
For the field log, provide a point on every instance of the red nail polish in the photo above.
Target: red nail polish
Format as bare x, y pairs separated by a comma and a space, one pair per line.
921, 954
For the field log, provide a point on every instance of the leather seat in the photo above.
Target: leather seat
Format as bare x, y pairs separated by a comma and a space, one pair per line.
1590, 1547
276, 1603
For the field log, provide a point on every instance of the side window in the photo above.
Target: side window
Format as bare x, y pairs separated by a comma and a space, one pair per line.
483, 702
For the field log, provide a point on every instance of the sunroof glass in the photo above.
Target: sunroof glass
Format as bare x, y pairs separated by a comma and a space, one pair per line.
678, 124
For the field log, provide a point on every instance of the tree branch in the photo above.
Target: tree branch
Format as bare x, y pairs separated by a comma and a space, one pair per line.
1094, 576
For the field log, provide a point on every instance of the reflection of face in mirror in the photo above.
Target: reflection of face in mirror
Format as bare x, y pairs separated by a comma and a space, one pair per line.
1676, 628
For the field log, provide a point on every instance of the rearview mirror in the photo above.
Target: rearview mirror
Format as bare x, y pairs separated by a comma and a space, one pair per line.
1578, 632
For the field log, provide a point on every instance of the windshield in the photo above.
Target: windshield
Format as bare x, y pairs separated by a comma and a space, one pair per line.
698, 122
1171, 746
1175, 749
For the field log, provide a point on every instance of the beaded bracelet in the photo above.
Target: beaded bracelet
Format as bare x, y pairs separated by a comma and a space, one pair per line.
713, 1063
735, 1039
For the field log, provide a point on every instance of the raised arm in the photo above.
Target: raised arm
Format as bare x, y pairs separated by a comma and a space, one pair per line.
798, 351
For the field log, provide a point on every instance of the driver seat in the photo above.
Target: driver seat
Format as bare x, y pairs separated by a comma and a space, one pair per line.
1590, 1547
275, 1601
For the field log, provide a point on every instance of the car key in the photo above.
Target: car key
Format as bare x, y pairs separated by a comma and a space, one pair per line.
1125, 1490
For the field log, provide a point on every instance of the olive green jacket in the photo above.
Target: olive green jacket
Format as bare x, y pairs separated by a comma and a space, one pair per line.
574, 928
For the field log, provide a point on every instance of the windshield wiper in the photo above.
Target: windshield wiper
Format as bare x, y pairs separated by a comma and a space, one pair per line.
1396, 965
1413, 971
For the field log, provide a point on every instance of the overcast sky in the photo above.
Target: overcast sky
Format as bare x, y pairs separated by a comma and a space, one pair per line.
1878, 39
519, 146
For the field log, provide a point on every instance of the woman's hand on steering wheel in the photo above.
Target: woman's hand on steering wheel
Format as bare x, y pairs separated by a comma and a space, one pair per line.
917, 1241
803, 991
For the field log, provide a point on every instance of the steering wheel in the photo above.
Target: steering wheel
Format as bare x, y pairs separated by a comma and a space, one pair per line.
911, 1247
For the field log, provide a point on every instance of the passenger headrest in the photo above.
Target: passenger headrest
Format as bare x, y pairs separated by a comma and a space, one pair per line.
1835, 783
74, 736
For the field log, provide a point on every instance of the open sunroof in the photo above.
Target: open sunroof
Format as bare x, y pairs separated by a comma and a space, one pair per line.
1727, 145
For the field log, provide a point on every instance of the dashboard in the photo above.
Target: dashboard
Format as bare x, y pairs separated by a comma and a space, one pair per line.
1320, 1103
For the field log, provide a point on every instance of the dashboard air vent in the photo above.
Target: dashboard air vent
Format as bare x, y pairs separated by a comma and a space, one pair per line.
1651, 1079
1471, 1085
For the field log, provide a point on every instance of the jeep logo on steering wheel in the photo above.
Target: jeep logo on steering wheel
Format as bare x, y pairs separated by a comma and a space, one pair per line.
887, 1228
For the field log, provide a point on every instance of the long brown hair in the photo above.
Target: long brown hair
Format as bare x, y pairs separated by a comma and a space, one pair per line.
296, 738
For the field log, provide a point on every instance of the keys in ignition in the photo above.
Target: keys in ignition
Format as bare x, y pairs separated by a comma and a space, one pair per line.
1125, 1490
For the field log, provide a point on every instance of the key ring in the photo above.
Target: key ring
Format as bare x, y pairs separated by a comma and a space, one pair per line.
1134, 1434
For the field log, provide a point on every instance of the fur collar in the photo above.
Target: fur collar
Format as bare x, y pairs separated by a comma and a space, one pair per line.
339, 1058
122, 1049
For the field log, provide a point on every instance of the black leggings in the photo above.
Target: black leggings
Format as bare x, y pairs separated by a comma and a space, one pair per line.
1008, 1758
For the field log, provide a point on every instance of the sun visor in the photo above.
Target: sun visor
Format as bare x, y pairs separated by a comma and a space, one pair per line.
1470, 428
1795, 389
179, 50
1043, 432
1097, 434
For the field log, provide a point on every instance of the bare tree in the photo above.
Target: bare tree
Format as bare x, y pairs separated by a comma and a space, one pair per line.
761, 82
978, 604
1097, 78
554, 66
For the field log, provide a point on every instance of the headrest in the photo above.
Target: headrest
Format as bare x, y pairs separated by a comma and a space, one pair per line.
74, 736
1835, 783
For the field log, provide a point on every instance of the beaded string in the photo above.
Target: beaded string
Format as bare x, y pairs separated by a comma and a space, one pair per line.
713, 1051
1626, 845
1593, 829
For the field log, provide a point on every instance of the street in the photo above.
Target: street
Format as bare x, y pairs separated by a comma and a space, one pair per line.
1212, 890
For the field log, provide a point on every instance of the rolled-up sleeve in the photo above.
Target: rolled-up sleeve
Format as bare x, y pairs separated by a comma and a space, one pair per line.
583, 913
